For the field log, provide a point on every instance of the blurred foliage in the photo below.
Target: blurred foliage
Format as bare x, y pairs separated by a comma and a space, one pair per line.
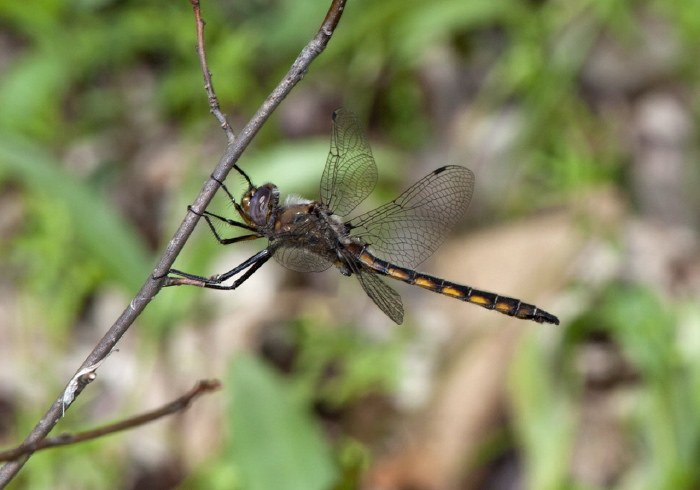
666, 415
663, 422
91, 71
271, 427
271, 423
545, 419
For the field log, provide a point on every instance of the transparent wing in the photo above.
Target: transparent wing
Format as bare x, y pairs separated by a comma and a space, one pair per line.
383, 296
410, 228
350, 173
301, 259
303, 249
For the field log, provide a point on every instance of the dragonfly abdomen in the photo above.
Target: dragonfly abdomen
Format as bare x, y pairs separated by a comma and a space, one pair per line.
490, 301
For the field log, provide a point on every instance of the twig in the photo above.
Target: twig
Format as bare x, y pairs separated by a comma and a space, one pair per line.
154, 283
202, 387
208, 86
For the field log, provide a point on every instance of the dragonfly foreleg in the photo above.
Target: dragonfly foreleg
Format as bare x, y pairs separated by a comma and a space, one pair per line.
238, 207
226, 241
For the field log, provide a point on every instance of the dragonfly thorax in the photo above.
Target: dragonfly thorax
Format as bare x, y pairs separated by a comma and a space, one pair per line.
260, 203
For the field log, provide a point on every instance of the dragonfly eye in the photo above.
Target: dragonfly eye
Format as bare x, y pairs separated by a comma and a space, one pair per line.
260, 205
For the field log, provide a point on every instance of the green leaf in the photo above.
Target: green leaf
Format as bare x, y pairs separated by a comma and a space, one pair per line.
543, 416
101, 231
276, 443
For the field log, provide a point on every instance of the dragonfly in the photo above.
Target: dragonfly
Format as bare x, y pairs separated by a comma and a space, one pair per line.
390, 241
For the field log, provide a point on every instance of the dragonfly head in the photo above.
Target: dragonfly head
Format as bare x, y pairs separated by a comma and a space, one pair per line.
260, 203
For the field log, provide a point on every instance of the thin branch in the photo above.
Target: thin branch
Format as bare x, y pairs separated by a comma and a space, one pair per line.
154, 283
182, 403
208, 86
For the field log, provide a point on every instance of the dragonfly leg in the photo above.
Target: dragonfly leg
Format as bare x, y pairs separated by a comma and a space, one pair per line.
207, 216
252, 264
228, 241
253, 268
238, 207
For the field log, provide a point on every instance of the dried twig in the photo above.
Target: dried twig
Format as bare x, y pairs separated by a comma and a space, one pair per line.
208, 86
236, 146
202, 387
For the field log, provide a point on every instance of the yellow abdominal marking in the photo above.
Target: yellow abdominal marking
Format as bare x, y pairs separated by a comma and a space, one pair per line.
480, 300
424, 283
366, 258
398, 273
503, 307
450, 291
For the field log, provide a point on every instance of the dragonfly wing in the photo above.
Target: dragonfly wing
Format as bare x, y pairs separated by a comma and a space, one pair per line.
407, 230
350, 173
383, 296
303, 247
300, 258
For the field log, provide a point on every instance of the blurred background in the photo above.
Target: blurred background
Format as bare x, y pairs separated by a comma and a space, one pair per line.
580, 122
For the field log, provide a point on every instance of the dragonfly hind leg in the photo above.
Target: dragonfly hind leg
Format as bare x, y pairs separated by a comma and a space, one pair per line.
252, 264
